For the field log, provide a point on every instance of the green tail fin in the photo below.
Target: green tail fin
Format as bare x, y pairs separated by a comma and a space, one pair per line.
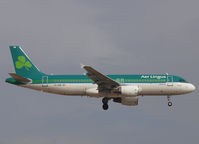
23, 65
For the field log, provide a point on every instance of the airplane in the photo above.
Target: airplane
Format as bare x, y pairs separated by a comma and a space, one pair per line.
123, 89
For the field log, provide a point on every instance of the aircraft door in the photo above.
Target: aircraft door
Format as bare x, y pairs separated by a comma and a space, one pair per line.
44, 81
170, 80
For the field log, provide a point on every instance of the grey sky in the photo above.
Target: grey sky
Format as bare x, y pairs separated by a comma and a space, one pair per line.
114, 36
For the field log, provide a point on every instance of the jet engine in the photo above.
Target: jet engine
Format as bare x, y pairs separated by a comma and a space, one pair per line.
129, 101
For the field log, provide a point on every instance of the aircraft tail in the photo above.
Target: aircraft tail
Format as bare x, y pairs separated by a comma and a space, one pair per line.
23, 65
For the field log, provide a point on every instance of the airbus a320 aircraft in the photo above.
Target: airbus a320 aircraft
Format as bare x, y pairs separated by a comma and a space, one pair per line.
123, 89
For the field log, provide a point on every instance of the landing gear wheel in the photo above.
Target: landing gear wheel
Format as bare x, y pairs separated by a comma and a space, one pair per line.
169, 104
105, 103
105, 106
105, 100
169, 101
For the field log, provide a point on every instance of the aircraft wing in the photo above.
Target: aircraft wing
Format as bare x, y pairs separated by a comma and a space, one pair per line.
104, 83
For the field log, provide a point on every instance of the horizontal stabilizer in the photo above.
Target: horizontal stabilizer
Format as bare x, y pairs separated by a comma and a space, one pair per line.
19, 78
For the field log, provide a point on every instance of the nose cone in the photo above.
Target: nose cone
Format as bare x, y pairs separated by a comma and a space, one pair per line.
191, 88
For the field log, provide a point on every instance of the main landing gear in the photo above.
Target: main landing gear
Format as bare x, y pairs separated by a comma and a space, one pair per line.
169, 101
105, 103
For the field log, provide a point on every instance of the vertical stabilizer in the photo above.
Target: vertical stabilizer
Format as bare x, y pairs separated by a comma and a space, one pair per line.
23, 65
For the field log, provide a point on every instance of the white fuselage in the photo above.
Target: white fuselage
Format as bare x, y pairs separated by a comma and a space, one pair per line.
89, 89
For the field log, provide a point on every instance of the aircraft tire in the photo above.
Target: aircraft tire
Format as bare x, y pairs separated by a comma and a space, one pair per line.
105, 106
105, 100
169, 104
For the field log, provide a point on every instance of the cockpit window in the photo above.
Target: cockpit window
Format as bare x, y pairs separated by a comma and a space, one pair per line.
182, 80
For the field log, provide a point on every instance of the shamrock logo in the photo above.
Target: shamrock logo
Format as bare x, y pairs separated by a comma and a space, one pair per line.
23, 63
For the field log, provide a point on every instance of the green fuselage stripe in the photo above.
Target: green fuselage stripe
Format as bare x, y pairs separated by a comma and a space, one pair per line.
118, 78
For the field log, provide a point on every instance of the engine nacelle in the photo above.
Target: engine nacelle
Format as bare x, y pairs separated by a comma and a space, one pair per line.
129, 90
129, 101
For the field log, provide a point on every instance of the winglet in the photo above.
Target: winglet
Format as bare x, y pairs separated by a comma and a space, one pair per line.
82, 65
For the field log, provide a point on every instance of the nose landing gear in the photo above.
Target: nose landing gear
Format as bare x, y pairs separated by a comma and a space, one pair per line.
105, 103
169, 101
